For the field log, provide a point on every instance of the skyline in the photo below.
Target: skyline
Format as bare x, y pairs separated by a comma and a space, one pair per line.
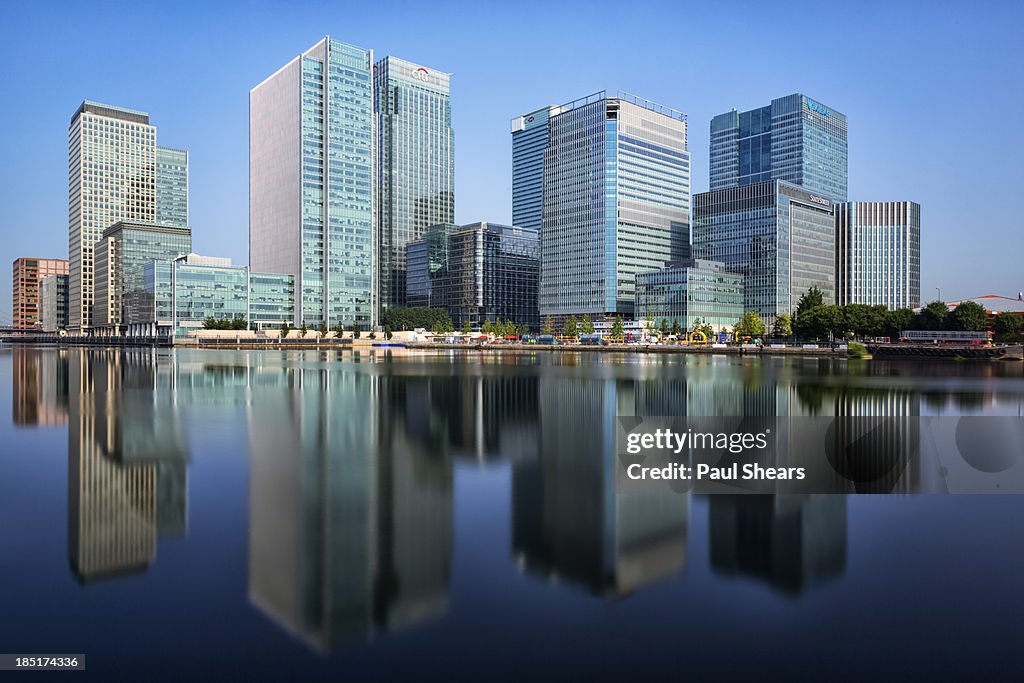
196, 92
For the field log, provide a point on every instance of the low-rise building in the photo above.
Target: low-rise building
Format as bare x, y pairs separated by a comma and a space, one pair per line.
180, 294
28, 273
688, 290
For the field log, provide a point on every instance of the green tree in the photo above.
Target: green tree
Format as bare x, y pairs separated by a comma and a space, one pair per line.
933, 317
323, 329
355, 330
969, 317
783, 326
571, 328
663, 327
586, 326
388, 333
812, 298
618, 329
707, 330
677, 329
467, 329
487, 328
549, 325
339, 330
897, 321
285, 329
750, 325
1009, 328
524, 330
210, 323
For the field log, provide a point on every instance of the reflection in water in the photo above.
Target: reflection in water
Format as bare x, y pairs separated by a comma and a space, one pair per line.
352, 459
127, 481
788, 541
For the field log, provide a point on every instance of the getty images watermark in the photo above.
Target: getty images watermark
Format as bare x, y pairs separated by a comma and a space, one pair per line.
818, 454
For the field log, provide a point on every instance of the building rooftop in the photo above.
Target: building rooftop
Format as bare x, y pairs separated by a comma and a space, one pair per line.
112, 112
994, 303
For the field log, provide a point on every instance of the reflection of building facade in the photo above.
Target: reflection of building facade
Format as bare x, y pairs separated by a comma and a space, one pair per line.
351, 533
127, 482
788, 541
26, 295
39, 380
568, 520
426, 260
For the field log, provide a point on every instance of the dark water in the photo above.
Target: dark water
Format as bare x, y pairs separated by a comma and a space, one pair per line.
288, 516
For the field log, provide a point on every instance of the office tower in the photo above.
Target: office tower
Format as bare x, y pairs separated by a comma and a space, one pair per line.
795, 139
690, 290
779, 236
416, 163
172, 187
492, 273
311, 182
616, 203
878, 254
120, 255
529, 142
111, 178
28, 273
426, 259
53, 303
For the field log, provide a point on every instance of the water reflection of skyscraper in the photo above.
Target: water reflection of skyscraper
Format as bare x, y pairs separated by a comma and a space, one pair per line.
127, 480
350, 515
568, 520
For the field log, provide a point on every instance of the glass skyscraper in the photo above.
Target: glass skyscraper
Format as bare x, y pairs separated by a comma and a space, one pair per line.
172, 187
311, 182
111, 178
778, 235
426, 260
529, 142
878, 254
416, 163
616, 203
795, 139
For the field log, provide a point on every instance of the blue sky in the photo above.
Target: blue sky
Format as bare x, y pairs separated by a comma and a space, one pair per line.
931, 91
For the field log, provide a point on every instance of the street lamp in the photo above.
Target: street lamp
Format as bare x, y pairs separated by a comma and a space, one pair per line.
938, 293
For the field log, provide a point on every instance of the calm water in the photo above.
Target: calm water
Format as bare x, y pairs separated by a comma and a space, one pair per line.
306, 515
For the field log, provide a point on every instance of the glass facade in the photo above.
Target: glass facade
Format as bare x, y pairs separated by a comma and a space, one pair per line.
492, 273
689, 290
616, 203
529, 141
416, 163
184, 292
311, 175
53, 307
172, 187
878, 254
779, 236
795, 139
426, 260
121, 254
111, 178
